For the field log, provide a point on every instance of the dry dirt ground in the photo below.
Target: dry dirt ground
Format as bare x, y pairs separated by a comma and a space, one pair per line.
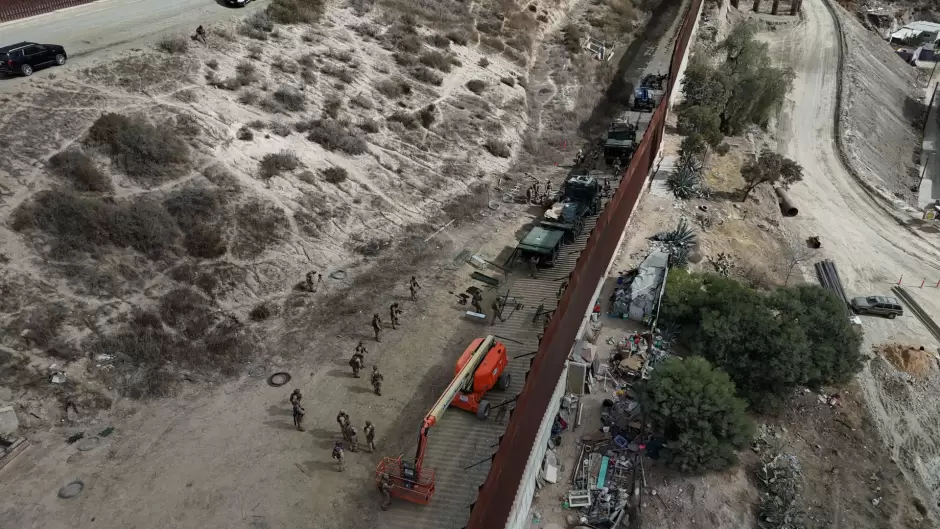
222, 453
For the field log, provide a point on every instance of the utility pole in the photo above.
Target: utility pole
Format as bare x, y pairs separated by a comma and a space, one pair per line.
795, 6
757, 6
775, 7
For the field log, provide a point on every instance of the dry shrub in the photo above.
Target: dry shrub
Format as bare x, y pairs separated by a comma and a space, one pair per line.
307, 176
405, 59
439, 41
187, 311
80, 171
508, 81
261, 311
257, 26
341, 73
497, 148
332, 105
335, 175
284, 65
340, 55
212, 64
259, 226
459, 37
280, 128
465, 206
248, 97
369, 125
173, 44
407, 119
426, 75
366, 29
275, 163
289, 99
393, 88
144, 151
336, 136
220, 176
41, 324
484, 62
247, 69
224, 33
362, 101
245, 134
427, 116
476, 86
255, 51
198, 213
296, 11
186, 96
83, 224
308, 76
494, 43
437, 60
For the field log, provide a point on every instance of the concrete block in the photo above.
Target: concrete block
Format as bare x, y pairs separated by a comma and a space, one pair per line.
8, 421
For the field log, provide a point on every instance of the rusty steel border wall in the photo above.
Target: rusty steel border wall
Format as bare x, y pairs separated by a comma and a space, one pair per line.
17, 9
498, 493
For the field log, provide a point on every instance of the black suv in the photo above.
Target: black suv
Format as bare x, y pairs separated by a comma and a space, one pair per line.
26, 56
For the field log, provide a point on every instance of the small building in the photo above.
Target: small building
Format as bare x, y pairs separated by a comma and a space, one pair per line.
916, 32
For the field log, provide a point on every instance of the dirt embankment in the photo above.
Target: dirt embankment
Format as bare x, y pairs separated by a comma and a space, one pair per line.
880, 113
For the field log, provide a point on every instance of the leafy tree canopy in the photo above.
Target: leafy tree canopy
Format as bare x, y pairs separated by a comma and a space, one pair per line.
772, 168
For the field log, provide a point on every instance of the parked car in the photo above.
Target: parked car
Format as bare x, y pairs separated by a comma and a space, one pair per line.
25, 57
880, 305
237, 3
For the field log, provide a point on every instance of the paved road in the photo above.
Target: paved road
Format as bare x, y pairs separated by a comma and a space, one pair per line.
107, 24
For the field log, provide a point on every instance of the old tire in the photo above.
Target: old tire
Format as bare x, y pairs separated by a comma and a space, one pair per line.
60, 59
26, 70
504, 381
484, 410
279, 379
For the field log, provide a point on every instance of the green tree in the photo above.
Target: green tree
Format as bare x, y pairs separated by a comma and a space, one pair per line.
772, 168
702, 120
696, 409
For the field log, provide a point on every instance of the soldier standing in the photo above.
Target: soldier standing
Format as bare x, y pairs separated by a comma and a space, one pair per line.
528, 195
393, 312
497, 306
385, 487
353, 439
534, 266
356, 363
310, 284
476, 300
548, 189
338, 455
377, 380
361, 349
343, 419
414, 287
369, 430
376, 326
298, 415
295, 397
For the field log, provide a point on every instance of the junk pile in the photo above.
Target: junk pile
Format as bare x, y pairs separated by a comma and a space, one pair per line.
635, 357
638, 291
723, 264
608, 467
915, 361
780, 480
620, 297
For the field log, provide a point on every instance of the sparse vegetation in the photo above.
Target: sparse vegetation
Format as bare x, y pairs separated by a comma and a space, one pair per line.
572, 35
369, 125
437, 60
407, 119
245, 134
439, 41
248, 97
289, 99
296, 11
427, 116
81, 172
259, 225
77, 224
483, 62
275, 163
335, 136
255, 52
770, 168
335, 175
257, 27
694, 406
426, 75
284, 65
212, 64
459, 37
476, 86
331, 106
261, 311
497, 148
393, 88
186, 96
144, 151
508, 81
198, 213
173, 44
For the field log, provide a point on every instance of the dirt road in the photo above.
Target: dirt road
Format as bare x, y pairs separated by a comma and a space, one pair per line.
86, 29
870, 246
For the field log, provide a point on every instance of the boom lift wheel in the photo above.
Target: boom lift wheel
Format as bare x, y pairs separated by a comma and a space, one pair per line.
483, 411
503, 382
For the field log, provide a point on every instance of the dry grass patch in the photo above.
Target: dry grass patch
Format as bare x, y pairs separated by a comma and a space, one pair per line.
426, 75
275, 163
177, 44
198, 213
260, 225
296, 11
80, 171
497, 148
151, 153
394, 88
334, 136
335, 175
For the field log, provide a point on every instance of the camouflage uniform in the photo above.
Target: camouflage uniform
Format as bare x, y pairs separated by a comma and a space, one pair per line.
475, 301
353, 438
369, 431
377, 380
393, 312
376, 326
338, 455
298, 416
343, 419
357, 363
385, 487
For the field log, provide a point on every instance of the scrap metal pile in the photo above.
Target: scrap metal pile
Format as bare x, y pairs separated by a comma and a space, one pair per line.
636, 357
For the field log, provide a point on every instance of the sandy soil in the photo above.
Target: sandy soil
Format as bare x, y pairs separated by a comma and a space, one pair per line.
225, 454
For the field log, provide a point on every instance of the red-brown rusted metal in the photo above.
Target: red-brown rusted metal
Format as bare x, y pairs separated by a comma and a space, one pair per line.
16, 9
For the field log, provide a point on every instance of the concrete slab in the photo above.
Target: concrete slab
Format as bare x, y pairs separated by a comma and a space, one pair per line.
8, 421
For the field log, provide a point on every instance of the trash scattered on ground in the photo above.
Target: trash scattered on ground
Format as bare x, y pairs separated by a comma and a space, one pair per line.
781, 481
75, 437
723, 264
106, 432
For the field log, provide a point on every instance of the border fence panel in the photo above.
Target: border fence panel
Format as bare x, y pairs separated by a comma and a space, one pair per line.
16, 9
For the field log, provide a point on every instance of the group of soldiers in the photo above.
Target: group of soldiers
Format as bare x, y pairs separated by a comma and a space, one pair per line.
534, 195
357, 362
394, 311
351, 437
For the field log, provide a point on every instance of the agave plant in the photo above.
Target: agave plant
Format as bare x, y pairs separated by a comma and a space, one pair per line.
686, 181
678, 242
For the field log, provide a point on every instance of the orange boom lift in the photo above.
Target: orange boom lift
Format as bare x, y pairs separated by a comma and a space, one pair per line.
479, 369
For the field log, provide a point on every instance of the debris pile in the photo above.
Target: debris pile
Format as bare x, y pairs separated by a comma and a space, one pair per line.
781, 481
913, 360
635, 356
723, 264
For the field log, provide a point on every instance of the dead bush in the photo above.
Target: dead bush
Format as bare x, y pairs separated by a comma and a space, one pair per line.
173, 44
459, 37
484, 62
341, 73
143, 151
280, 128
212, 64
284, 65
335, 175
332, 105
41, 325
261, 311
307, 176
308, 76
220, 176
259, 226
187, 311
437, 60
245, 134
340, 55
393, 88
83, 224
426, 75
405, 59
198, 214
439, 41
366, 29
186, 96
427, 115
248, 97
246, 69
409, 120
257, 26
289, 99
362, 101
275, 163
369, 125
476, 86
336, 136
74, 166
465, 206
497, 148
494, 43
255, 51
296, 11
308, 60
508, 81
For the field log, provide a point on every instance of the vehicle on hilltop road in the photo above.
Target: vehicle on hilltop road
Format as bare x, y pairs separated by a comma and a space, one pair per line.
26, 57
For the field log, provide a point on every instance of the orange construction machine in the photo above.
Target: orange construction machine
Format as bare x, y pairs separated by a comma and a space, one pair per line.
479, 369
